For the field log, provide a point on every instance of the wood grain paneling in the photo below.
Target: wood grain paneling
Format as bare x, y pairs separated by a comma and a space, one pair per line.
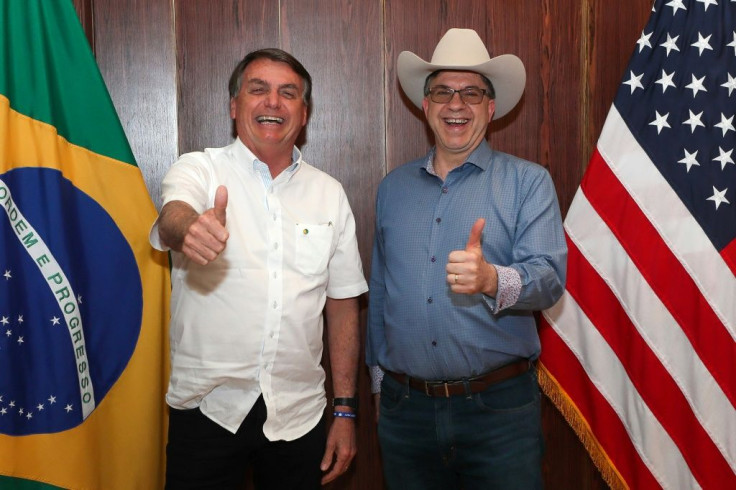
134, 47
518, 28
612, 31
86, 18
345, 138
557, 93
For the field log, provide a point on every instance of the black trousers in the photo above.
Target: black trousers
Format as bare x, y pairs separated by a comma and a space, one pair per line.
202, 455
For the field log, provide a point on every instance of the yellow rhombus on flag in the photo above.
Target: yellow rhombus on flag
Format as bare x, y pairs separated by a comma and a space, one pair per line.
83, 297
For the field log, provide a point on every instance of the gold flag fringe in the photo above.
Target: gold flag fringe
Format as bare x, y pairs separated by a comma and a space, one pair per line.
570, 412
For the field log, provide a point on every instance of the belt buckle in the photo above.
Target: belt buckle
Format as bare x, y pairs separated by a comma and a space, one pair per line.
443, 384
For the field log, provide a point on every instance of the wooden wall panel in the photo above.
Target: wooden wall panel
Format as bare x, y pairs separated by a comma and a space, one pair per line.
211, 38
86, 18
517, 28
613, 31
345, 138
134, 47
558, 94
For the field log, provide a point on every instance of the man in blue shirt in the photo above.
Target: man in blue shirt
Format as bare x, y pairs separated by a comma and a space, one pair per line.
468, 243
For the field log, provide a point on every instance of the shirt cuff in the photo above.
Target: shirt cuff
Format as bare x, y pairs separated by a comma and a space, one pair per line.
509, 287
155, 239
376, 378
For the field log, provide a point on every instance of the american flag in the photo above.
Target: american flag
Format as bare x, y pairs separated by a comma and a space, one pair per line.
639, 354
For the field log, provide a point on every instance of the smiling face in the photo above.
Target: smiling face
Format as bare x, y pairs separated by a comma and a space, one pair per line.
269, 110
458, 127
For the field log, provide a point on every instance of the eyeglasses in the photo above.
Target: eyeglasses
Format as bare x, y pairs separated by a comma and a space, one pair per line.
469, 95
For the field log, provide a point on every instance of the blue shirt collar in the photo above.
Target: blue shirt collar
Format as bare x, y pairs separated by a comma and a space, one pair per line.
480, 157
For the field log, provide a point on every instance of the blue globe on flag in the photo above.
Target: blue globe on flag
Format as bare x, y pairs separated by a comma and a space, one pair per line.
70, 303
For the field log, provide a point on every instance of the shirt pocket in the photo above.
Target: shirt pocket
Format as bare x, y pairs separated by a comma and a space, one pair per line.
313, 245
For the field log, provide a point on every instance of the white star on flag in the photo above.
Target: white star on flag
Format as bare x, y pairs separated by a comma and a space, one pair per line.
694, 121
643, 41
724, 157
719, 197
726, 125
670, 44
702, 43
666, 80
689, 159
634, 82
660, 121
676, 4
696, 85
730, 84
732, 44
707, 3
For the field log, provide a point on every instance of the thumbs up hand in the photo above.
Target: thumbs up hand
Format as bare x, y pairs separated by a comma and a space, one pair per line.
207, 236
220, 204
467, 270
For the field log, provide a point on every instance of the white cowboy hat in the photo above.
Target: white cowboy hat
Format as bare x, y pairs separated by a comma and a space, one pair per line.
462, 49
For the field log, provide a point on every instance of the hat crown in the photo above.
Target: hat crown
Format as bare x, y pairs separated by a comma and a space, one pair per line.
460, 47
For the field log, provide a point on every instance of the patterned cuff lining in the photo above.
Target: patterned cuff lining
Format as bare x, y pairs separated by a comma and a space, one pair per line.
376, 378
509, 287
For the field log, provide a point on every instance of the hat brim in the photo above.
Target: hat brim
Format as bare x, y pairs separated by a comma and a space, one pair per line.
506, 72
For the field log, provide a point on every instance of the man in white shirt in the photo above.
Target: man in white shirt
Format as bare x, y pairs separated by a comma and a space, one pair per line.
263, 243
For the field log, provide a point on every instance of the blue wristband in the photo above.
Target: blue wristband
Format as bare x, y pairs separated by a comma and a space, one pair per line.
349, 415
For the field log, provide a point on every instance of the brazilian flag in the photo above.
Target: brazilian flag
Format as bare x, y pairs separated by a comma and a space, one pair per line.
83, 297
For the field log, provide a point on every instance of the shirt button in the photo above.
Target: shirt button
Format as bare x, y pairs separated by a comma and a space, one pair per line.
433, 259
429, 300
274, 217
275, 274
438, 220
275, 305
445, 190
275, 246
434, 343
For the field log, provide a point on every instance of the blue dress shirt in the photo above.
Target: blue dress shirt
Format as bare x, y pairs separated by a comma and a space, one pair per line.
416, 324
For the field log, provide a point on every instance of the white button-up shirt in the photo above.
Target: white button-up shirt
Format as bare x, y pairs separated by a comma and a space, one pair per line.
250, 322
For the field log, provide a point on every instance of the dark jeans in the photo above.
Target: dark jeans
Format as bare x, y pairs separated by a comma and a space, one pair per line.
488, 440
202, 455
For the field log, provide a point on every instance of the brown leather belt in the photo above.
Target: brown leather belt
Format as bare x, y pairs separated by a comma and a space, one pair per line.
474, 385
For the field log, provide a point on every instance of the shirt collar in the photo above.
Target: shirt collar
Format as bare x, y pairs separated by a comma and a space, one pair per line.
245, 153
480, 157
